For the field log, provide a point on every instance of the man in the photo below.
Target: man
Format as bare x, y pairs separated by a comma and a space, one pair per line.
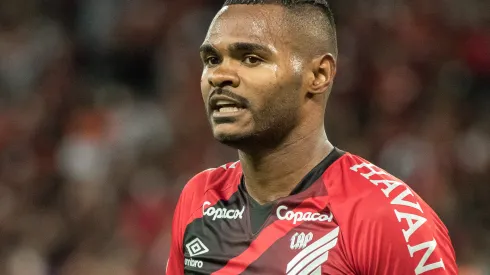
293, 203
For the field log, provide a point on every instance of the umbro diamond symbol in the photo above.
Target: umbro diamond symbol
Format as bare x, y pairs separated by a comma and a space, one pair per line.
196, 247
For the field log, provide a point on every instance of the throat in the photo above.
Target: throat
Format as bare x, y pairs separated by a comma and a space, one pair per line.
264, 193
283, 174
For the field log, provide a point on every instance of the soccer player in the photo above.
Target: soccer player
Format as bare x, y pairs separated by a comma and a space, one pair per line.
293, 203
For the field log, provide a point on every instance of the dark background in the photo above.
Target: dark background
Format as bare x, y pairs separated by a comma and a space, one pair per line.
102, 122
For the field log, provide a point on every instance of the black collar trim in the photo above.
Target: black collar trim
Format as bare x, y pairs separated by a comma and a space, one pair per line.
313, 175
318, 171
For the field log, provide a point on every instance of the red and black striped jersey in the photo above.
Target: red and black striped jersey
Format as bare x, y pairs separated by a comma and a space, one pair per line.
346, 216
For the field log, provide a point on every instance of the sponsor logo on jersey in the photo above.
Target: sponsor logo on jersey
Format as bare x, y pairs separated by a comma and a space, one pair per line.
193, 263
310, 259
283, 213
300, 240
411, 217
195, 248
222, 213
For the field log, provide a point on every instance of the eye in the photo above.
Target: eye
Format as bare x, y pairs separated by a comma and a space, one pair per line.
211, 60
252, 60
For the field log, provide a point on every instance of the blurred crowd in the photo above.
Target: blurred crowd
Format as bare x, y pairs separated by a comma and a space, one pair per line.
102, 122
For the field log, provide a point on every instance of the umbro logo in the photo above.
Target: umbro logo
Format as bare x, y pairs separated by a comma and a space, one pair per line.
196, 247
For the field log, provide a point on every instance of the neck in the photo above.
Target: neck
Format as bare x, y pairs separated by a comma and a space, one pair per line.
274, 174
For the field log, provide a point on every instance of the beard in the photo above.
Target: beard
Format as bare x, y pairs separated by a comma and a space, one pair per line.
271, 122
271, 126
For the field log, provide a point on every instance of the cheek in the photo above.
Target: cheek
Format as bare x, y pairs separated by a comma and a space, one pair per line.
296, 65
204, 77
204, 74
204, 86
286, 97
264, 78
275, 100
266, 75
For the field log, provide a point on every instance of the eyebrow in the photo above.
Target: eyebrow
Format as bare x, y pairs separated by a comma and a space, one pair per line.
249, 47
238, 47
207, 48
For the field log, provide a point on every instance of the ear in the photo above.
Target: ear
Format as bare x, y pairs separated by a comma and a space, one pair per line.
324, 70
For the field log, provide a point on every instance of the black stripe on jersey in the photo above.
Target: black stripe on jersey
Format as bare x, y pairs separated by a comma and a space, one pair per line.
318, 171
223, 238
313, 175
260, 213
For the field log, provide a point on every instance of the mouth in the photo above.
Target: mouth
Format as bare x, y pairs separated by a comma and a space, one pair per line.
227, 114
225, 107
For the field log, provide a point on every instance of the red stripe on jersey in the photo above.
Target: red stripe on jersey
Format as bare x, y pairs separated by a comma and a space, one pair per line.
190, 206
267, 237
214, 195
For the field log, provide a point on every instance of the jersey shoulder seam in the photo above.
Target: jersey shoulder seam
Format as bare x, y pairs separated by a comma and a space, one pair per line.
209, 174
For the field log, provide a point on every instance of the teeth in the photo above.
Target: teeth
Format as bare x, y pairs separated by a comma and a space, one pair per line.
224, 102
228, 109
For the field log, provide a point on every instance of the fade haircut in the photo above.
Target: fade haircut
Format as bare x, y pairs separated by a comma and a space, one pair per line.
315, 14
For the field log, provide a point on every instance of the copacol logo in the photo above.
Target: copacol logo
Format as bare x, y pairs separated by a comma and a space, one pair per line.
283, 213
222, 213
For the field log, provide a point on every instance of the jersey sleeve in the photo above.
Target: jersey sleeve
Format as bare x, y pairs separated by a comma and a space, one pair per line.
188, 203
391, 241
387, 227
175, 263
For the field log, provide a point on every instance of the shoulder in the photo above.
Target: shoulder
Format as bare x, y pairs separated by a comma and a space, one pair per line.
218, 178
379, 213
374, 194
377, 192
355, 180
219, 183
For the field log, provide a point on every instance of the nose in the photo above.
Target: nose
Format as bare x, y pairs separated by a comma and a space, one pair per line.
223, 76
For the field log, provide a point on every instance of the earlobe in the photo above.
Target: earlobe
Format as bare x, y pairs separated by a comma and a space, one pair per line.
324, 73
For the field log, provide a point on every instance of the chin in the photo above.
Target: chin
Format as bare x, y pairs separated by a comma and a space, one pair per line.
227, 137
235, 140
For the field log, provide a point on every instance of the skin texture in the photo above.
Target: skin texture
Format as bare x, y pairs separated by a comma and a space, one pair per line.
254, 56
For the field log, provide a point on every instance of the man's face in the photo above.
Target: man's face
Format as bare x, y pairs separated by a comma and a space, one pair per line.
251, 79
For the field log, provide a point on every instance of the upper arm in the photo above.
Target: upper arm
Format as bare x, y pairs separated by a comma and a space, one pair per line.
403, 242
188, 202
175, 263
389, 228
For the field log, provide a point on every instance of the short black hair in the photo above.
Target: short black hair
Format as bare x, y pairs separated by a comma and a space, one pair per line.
323, 5
303, 8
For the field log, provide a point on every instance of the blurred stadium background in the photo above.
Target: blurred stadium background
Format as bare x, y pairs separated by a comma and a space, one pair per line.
102, 123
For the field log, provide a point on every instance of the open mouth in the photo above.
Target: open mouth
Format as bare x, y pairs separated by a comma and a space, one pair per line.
224, 106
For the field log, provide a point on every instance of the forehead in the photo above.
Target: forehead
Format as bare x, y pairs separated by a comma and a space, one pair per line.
262, 24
